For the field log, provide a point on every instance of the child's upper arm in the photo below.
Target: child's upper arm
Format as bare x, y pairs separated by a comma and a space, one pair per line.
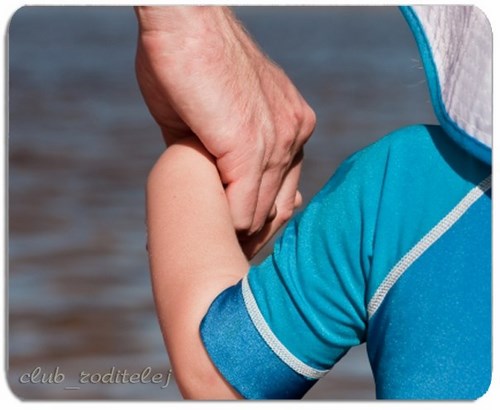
194, 255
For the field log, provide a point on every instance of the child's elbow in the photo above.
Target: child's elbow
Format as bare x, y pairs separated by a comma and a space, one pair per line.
195, 384
173, 166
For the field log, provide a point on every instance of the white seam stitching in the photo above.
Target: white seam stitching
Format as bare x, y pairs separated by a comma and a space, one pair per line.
272, 341
432, 236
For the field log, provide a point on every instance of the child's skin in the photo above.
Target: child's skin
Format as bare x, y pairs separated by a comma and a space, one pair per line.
194, 255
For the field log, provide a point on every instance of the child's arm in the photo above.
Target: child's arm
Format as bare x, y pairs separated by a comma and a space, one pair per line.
194, 255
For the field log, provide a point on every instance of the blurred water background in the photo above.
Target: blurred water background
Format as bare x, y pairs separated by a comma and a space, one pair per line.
81, 142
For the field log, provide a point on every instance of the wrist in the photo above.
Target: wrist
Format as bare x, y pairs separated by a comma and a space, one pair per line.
175, 19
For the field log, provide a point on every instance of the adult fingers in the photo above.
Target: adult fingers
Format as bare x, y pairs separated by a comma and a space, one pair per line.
280, 191
291, 142
298, 199
251, 245
269, 188
242, 197
289, 197
287, 200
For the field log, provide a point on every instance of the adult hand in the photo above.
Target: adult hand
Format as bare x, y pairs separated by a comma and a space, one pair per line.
288, 198
200, 73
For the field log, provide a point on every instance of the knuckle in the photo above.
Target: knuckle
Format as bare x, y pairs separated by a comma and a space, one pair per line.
242, 224
288, 138
288, 134
309, 122
299, 128
286, 214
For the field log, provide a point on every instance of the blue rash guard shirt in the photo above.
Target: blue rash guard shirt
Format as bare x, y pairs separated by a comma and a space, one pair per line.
394, 251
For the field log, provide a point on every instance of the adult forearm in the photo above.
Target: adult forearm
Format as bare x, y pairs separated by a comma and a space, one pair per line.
177, 19
189, 64
202, 76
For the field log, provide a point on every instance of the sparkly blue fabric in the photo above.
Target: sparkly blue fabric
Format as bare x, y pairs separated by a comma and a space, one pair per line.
314, 289
431, 338
242, 356
333, 256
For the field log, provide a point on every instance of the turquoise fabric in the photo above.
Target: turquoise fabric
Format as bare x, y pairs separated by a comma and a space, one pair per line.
432, 336
313, 292
246, 362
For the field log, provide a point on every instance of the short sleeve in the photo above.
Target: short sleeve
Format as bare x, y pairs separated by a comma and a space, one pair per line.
293, 317
287, 323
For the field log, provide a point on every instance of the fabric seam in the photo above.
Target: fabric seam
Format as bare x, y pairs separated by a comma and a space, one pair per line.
425, 243
270, 338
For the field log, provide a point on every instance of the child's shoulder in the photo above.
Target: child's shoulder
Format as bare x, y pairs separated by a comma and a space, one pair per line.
398, 153
409, 141
420, 152
400, 145
417, 160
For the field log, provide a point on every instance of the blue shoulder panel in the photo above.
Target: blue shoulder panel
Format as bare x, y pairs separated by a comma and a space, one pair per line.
431, 338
